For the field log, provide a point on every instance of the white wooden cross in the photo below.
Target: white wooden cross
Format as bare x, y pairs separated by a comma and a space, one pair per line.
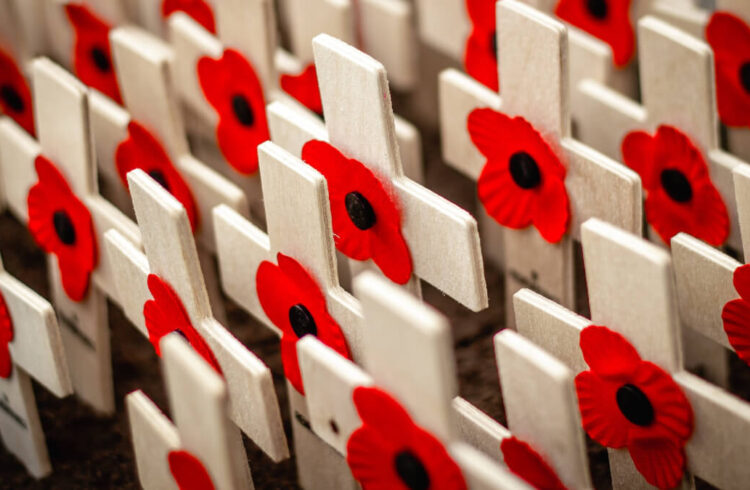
172, 256
31, 338
533, 53
202, 441
359, 123
20, 27
665, 86
631, 292
62, 126
407, 351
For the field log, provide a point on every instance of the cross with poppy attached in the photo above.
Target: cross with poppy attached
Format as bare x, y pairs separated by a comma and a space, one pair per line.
202, 449
163, 291
30, 347
377, 212
711, 287
52, 187
390, 423
533, 179
671, 144
660, 422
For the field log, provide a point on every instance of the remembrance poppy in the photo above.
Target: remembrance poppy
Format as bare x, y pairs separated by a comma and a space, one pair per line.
15, 96
729, 37
680, 195
480, 53
188, 471
390, 451
234, 90
92, 56
523, 461
523, 181
165, 314
304, 88
293, 302
199, 10
628, 402
142, 150
6, 337
608, 20
366, 221
61, 224
736, 314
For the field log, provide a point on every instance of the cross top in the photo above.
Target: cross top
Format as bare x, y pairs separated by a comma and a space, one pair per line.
185, 452
360, 129
171, 258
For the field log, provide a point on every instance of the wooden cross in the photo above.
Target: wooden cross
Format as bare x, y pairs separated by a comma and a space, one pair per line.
691, 62
31, 338
532, 53
359, 123
201, 430
631, 292
62, 126
21, 33
171, 255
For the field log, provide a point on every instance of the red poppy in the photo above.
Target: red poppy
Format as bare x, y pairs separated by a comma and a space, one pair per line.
92, 55
523, 461
199, 10
62, 225
390, 451
523, 181
608, 20
736, 314
6, 337
142, 150
680, 194
366, 220
188, 471
15, 96
165, 314
628, 402
293, 302
304, 88
234, 90
480, 53
729, 37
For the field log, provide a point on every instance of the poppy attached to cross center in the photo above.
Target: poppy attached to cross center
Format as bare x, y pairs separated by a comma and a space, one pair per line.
680, 195
523, 181
92, 56
293, 302
61, 224
480, 53
627, 402
729, 37
15, 96
6, 337
234, 90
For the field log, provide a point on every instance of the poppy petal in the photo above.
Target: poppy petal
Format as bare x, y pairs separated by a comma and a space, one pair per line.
736, 318
391, 254
526, 463
741, 281
304, 88
188, 471
660, 461
600, 415
552, 215
15, 95
608, 353
199, 10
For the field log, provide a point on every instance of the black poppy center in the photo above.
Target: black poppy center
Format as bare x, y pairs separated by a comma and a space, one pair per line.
493, 44
158, 176
302, 321
64, 228
634, 405
676, 185
411, 471
242, 110
597, 8
360, 210
101, 59
12, 98
524, 170
745, 76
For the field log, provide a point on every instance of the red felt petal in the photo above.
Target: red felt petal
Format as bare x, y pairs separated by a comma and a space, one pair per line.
290, 362
736, 318
552, 214
600, 415
487, 129
6, 363
608, 353
727, 32
199, 10
15, 98
380, 410
391, 254
673, 415
733, 102
480, 61
370, 458
326, 159
271, 284
638, 154
526, 463
482, 13
302, 280
188, 471
75, 279
6, 336
660, 461
507, 203
711, 218
741, 280
304, 88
